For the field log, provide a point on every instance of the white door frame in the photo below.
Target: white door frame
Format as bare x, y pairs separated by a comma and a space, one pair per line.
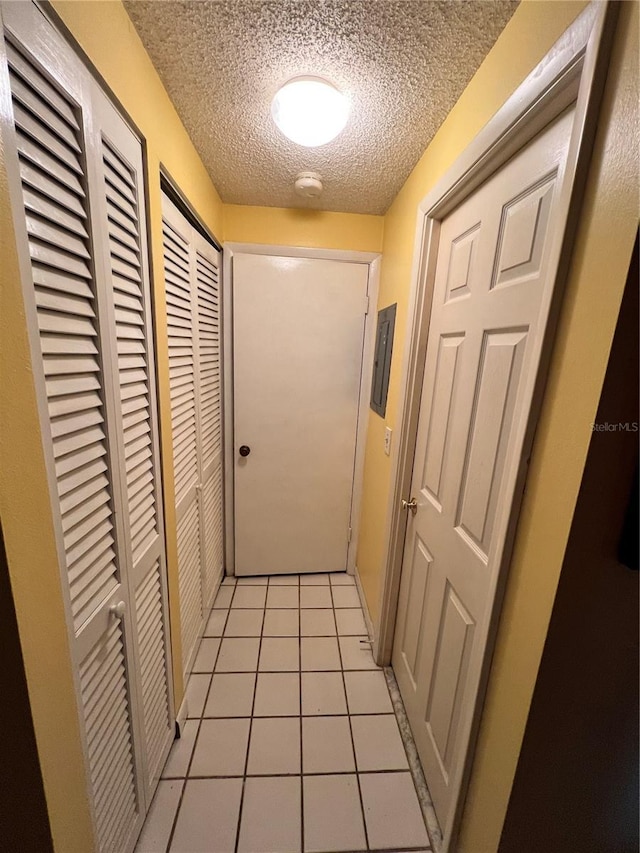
372, 260
573, 71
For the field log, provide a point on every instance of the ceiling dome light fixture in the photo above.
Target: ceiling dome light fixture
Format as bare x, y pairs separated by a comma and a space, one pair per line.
310, 111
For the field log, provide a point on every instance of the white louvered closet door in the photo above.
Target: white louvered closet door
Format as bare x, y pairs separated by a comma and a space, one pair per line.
120, 222
191, 267
51, 151
81, 242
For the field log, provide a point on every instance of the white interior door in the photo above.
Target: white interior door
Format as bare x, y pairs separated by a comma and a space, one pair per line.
298, 331
492, 292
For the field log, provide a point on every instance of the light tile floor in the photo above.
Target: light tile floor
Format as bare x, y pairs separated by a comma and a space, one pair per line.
291, 743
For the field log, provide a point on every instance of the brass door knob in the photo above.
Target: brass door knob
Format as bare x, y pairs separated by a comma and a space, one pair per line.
412, 505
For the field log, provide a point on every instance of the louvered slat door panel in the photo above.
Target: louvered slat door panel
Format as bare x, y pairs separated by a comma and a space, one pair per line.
189, 579
210, 399
212, 502
103, 687
155, 700
69, 336
77, 424
181, 360
132, 341
209, 358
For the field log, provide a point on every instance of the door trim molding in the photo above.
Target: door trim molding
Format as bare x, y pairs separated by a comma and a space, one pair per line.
372, 260
573, 72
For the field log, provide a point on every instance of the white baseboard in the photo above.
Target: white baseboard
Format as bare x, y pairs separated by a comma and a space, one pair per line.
365, 608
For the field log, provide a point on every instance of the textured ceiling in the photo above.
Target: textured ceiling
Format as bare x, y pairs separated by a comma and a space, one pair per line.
403, 65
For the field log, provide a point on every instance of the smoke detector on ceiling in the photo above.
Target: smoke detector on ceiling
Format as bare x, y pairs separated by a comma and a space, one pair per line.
308, 184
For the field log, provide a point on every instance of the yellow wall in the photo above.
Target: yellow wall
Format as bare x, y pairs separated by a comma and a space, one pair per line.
601, 259
317, 229
105, 32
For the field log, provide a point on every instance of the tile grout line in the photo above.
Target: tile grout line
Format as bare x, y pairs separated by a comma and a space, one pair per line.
253, 703
302, 844
353, 745
204, 704
290, 775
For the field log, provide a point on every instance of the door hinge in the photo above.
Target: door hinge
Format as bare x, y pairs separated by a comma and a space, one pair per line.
349, 535
366, 305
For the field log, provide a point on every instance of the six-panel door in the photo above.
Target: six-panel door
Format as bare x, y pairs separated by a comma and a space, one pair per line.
490, 300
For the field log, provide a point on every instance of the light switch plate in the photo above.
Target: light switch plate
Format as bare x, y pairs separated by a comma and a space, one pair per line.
388, 432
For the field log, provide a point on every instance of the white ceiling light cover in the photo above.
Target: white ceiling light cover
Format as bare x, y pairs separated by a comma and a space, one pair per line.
310, 111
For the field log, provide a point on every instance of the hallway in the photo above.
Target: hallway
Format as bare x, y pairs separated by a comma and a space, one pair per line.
291, 742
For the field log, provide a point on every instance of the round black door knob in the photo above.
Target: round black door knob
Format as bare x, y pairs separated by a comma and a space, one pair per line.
244, 450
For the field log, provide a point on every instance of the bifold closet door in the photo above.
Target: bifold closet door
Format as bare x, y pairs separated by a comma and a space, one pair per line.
77, 189
191, 269
207, 282
120, 220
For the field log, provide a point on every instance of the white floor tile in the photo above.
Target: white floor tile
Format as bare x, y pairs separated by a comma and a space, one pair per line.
279, 654
238, 654
231, 695
392, 811
252, 722
332, 814
284, 580
223, 598
281, 623
317, 623
282, 596
274, 746
159, 822
323, 693
320, 653
249, 596
208, 818
177, 763
221, 748
315, 596
342, 579
345, 596
314, 580
367, 693
326, 745
244, 623
356, 655
378, 743
215, 623
277, 694
271, 816
350, 621
207, 653
196, 694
